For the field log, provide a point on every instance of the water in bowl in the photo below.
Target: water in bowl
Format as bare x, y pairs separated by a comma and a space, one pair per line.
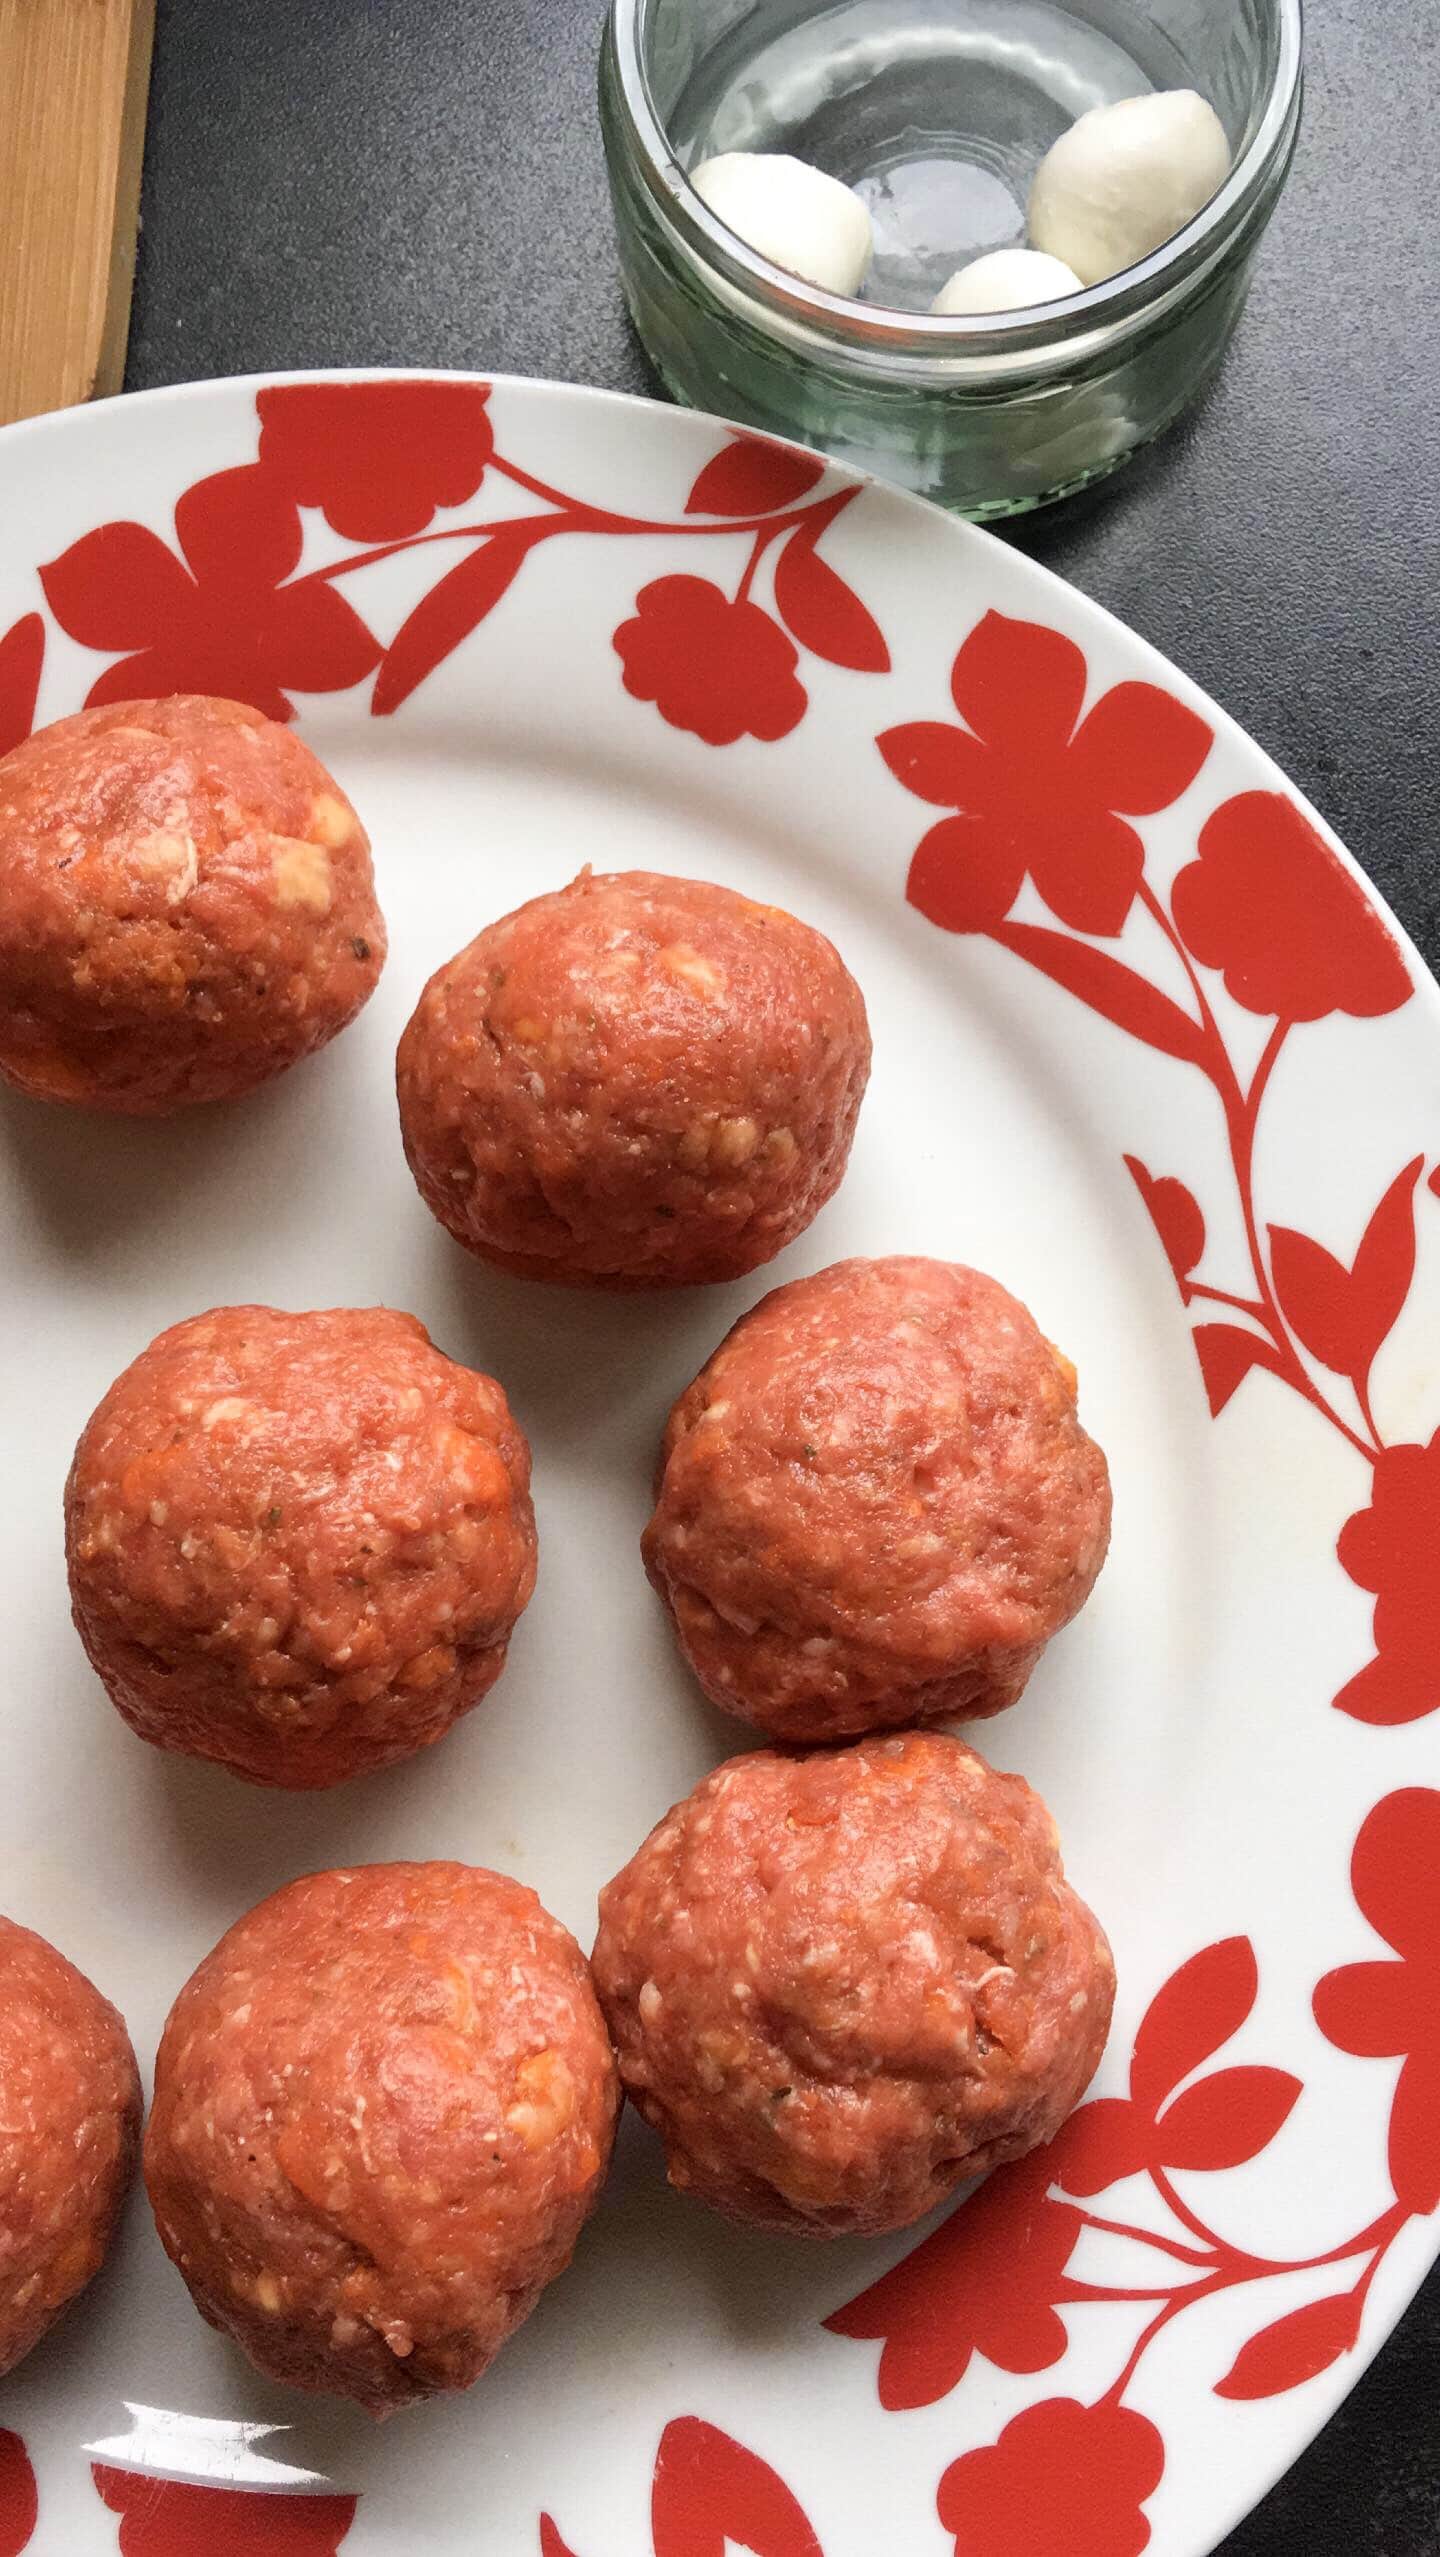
937, 112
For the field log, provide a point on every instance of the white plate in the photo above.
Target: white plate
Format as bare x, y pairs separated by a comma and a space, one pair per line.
680, 2387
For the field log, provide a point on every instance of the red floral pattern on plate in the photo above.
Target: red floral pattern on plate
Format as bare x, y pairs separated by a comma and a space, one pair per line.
1387, 2010
991, 2283
219, 615
377, 458
1269, 904
19, 2504
229, 614
163, 2518
22, 656
994, 2277
708, 2494
1063, 2480
1393, 1549
1039, 789
723, 670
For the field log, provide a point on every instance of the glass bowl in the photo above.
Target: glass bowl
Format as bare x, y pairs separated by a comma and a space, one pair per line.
986, 415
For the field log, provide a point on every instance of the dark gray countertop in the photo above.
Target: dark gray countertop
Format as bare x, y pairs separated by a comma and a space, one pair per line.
420, 182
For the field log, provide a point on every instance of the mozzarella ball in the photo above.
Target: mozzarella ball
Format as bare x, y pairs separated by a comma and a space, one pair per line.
1006, 280
1125, 179
795, 215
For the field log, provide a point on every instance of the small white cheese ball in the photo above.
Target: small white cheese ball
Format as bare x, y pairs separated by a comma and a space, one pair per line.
1125, 179
1006, 280
795, 215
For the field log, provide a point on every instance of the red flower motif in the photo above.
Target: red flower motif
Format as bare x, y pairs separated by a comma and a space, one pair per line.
1038, 788
377, 457
710, 2492
722, 670
1063, 2480
709, 2495
987, 2281
1380, 2010
161, 2518
1391, 1548
22, 654
19, 2504
220, 619
1268, 902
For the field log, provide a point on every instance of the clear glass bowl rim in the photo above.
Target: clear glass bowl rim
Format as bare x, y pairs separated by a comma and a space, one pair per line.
867, 329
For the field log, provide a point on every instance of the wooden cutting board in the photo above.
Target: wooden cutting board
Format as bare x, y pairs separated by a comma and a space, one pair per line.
73, 81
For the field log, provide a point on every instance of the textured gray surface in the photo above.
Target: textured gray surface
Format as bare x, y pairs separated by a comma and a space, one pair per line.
420, 182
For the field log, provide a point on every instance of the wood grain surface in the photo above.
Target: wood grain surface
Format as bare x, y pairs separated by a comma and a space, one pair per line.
73, 82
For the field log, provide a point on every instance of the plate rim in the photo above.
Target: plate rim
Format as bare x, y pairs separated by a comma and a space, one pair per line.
182, 399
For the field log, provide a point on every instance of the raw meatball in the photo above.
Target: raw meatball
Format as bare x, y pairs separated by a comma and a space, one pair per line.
69, 2131
841, 1984
876, 1504
186, 905
299, 1543
635, 1083
384, 2107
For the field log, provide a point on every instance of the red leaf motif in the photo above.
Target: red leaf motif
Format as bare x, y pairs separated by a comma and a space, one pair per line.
963, 877
22, 655
1367, 2008
238, 527
1434, 1181
1019, 683
1106, 987
1225, 2120
1100, 2145
1140, 749
940, 764
114, 588
1341, 1315
709, 2489
1294, 2349
822, 612
327, 647
986, 2281
1226, 1355
165, 2518
1175, 1215
446, 616
1401, 1684
1385, 1263
19, 2503
551, 2543
1200, 2007
1377, 2009
1316, 1298
1395, 1872
753, 478
1413, 2148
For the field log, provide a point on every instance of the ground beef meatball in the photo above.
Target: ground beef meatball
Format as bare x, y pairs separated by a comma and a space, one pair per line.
842, 1983
69, 2131
299, 1543
186, 905
639, 1082
384, 2107
875, 1505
